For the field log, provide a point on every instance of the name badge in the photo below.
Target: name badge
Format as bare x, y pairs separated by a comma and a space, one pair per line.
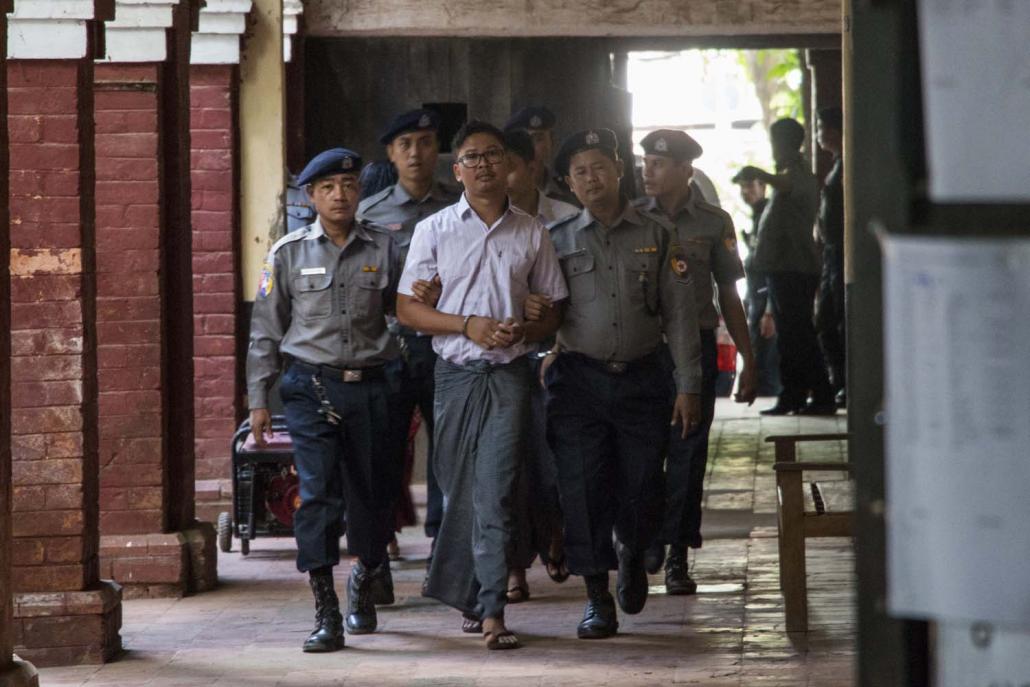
312, 270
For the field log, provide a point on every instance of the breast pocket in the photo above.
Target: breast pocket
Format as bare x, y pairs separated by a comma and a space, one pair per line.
313, 296
581, 277
367, 293
699, 252
640, 273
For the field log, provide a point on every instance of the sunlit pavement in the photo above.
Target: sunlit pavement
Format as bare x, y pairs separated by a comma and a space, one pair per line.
249, 631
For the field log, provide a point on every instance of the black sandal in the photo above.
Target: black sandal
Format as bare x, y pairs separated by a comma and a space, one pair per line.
470, 624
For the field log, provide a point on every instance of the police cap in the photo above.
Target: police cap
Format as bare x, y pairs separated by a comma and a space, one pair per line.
532, 117
329, 162
604, 140
415, 120
671, 143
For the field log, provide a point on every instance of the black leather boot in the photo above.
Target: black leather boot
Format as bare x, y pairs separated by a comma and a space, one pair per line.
631, 584
599, 618
677, 574
382, 584
361, 608
654, 557
328, 632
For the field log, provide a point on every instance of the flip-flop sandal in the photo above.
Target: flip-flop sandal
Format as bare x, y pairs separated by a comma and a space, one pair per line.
557, 570
518, 593
496, 640
470, 624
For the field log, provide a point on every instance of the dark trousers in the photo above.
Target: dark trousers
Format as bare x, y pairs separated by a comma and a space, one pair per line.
608, 432
481, 416
767, 356
688, 458
411, 386
349, 462
538, 508
829, 314
802, 369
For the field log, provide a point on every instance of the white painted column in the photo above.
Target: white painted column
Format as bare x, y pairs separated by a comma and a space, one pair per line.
217, 38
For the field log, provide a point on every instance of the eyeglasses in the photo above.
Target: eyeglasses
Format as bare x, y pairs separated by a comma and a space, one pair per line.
472, 160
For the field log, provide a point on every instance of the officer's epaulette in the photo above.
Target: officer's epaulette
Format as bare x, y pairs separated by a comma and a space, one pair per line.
374, 200
375, 227
295, 235
659, 219
705, 206
640, 202
563, 221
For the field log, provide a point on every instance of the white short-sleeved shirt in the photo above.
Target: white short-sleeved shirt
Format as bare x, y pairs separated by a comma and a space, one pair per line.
485, 270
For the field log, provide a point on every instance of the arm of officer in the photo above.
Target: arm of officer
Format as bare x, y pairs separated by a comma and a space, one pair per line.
268, 325
727, 269
781, 182
679, 320
547, 281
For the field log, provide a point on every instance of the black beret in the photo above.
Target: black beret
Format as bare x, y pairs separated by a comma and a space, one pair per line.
671, 143
328, 162
532, 117
416, 120
588, 139
519, 142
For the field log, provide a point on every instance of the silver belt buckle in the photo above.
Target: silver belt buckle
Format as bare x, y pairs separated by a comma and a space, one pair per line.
615, 367
352, 375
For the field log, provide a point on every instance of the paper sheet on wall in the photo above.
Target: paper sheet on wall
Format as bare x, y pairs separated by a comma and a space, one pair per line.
976, 95
957, 335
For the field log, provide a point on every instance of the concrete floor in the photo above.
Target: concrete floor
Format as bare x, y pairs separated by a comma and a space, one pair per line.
248, 631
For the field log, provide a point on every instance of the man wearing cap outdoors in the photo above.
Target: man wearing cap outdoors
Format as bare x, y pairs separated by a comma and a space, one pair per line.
785, 251
321, 308
608, 408
538, 121
412, 145
709, 242
490, 256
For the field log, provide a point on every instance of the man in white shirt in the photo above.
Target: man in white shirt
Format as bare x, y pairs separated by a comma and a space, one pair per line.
489, 257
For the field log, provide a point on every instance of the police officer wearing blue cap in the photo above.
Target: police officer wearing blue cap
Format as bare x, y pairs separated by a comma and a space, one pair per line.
321, 308
608, 411
413, 146
538, 121
709, 242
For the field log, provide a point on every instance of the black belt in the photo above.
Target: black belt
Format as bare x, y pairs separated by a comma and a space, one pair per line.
617, 367
341, 374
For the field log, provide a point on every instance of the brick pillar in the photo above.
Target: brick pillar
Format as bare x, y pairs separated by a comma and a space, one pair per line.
219, 330
151, 543
63, 613
13, 671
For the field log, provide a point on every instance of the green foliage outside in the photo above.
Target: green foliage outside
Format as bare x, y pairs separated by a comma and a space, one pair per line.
776, 75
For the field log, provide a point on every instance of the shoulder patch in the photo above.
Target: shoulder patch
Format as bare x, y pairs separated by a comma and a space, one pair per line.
267, 281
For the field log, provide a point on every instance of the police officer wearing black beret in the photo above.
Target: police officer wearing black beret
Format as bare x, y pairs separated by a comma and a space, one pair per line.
538, 121
321, 309
709, 242
608, 408
413, 146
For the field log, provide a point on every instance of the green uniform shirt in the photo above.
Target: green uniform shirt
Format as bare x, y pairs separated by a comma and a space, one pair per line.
628, 284
706, 235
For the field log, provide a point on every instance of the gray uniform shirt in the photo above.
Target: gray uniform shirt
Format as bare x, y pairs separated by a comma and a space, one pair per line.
394, 209
627, 284
323, 304
785, 242
706, 235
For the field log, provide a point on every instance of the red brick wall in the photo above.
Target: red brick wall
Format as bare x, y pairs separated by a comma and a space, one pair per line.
129, 300
6, 605
53, 362
215, 179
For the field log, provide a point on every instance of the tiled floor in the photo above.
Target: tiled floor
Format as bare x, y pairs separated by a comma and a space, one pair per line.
248, 632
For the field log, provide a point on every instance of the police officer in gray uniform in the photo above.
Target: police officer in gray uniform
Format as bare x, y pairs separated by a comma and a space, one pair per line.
412, 145
538, 121
320, 313
709, 241
609, 406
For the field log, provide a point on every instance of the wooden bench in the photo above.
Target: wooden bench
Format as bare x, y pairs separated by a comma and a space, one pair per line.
830, 517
